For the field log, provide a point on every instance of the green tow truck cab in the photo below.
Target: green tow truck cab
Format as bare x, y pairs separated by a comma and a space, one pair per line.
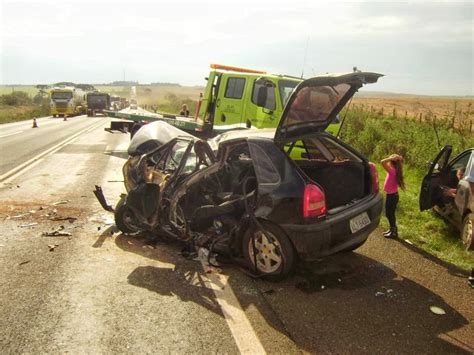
231, 95
229, 102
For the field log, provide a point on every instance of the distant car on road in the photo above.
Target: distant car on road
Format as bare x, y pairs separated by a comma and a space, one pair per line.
448, 188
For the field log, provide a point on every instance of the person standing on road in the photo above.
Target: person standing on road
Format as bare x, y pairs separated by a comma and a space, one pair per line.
393, 180
184, 111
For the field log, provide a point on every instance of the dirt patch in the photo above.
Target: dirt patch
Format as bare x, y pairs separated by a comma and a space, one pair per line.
30, 212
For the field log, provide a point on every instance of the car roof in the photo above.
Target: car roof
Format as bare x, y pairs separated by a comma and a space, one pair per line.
268, 133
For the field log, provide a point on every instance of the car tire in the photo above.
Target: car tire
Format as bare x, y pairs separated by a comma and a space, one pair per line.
124, 218
275, 257
467, 232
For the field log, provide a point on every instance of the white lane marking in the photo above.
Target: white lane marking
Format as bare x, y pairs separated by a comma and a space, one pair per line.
22, 168
242, 331
11, 134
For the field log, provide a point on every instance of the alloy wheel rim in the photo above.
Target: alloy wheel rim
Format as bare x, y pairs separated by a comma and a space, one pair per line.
269, 257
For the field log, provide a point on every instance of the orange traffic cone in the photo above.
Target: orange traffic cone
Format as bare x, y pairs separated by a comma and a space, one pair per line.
35, 125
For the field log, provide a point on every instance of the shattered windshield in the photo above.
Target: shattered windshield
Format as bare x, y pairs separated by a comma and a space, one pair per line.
315, 103
153, 135
169, 159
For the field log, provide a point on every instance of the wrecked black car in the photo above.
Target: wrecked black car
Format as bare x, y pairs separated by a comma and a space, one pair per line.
448, 188
268, 197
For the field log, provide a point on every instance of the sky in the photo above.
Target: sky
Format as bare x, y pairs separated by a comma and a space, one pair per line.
422, 47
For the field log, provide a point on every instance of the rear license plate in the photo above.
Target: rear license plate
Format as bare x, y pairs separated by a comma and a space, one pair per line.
359, 222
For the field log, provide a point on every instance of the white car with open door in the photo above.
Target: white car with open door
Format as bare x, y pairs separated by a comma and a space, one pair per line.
448, 188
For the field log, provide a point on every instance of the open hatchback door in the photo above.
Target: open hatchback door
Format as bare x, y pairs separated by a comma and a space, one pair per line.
315, 103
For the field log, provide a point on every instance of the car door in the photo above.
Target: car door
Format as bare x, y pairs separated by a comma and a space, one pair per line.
230, 103
430, 193
464, 190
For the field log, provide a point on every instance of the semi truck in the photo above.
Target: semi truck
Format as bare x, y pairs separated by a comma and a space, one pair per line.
229, 102
115, 103
67, 101
97, 102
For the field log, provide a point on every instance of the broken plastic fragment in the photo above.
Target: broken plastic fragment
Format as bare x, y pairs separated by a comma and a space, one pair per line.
378, 293
437, 310
56, 233
28, 225
62, 202
52, 247
60, 218
19, 216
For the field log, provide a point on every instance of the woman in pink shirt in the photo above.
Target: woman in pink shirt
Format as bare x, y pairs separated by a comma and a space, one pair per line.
393, 180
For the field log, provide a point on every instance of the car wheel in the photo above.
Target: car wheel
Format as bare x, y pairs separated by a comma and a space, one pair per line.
274, 253
125, 220
468, 231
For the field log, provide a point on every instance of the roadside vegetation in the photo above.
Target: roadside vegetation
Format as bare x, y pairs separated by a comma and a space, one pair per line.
19, 105
378, 135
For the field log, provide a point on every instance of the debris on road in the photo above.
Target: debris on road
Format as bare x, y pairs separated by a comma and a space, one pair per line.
19, 216
52, 246
62, 202
28, 225
61, 218
378, 294
57, 233
24, 262
437, 310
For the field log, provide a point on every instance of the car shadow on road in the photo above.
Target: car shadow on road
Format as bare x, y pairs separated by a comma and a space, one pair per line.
122, 154
354, 304
346, 303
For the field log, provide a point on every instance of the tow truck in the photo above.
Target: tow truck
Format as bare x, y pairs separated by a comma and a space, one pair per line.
229, 102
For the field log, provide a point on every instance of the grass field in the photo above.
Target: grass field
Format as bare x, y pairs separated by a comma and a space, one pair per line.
426, 229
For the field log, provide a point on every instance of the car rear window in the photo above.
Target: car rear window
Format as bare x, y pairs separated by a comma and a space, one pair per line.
319, 149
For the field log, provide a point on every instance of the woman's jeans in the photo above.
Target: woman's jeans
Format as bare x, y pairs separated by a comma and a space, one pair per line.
391, 202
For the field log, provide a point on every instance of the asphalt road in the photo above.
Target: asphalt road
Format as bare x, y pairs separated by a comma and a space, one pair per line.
19, 142
98, 291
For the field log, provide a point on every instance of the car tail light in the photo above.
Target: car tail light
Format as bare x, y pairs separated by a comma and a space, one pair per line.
314, 201
375, 178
